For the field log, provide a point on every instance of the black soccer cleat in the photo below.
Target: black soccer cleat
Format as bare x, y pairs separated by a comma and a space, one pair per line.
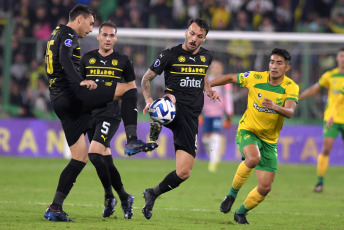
150, 198
154, 131
56, 215
135, 147
127, 207
227, 203
240, 218
318, 188
109, 206
151, 146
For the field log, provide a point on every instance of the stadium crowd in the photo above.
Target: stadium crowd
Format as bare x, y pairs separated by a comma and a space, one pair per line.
33, 22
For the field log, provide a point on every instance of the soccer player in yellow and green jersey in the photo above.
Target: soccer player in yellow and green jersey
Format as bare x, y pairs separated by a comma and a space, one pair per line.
337, 106
272, 96
333, 80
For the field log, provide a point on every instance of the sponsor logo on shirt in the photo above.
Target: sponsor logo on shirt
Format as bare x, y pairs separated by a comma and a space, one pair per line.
246, 74
262, 109
187, 82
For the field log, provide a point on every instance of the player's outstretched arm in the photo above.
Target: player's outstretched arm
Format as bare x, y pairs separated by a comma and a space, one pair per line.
210, 93
225, 79
311, 91
146, 85
287, 110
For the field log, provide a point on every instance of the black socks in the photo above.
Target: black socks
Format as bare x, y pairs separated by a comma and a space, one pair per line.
129, 113
170, 182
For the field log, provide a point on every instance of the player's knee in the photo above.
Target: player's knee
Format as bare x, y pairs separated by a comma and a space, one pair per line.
325, 151
263, 190
252, 161
184, 174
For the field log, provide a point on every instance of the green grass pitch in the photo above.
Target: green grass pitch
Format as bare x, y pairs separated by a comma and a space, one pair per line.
27, 187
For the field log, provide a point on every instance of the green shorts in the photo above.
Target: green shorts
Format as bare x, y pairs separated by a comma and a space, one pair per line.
268, 152
334, 131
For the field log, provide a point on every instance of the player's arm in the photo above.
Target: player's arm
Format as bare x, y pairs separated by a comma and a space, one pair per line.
225, 79
210, 93
146, 86
287, 110
311, 91
65, 58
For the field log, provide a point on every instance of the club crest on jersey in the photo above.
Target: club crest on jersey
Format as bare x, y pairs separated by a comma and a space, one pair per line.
108, 83
247, 74
68, 42
181, 59
157, 63
202, 58
114, 62
92, 61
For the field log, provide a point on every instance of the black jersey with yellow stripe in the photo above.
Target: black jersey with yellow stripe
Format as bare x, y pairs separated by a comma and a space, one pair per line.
62, 59
184, 74
108, 70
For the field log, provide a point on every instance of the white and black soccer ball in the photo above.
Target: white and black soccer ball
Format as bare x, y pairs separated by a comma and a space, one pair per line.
162, 110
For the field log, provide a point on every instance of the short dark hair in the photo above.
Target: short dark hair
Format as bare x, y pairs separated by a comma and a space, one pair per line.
80, 10
201, 23
108, 24
340, 49
281, 52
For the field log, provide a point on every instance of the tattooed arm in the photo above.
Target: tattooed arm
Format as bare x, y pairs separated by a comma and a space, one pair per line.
146, 85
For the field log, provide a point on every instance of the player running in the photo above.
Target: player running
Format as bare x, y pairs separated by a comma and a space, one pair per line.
272, 97
185, 68
333, 80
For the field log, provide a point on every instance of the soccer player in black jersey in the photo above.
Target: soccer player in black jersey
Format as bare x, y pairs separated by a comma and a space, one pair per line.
185, 68
106, 65
73, 99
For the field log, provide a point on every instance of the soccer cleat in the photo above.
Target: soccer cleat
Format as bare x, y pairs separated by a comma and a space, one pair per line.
147, 210
318, 187
151, 146
56, 215
127, 207
109, 206
240, 218
154, 131
227, 203
135, 147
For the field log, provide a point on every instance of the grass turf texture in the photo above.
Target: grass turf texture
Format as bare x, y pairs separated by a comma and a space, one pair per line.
27, 187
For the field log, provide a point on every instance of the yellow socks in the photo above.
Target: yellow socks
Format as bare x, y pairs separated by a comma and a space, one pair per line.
252, 200
241, 175
322, 165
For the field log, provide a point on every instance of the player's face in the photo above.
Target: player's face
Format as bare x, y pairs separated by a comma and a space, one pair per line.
194, 37
107, 38
85, 25
340, 59
278, 66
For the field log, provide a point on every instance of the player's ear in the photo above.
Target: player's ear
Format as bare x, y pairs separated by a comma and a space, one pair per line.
287, 68
116, 38
98, 37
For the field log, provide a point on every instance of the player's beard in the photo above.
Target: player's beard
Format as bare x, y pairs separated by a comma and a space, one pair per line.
191, 50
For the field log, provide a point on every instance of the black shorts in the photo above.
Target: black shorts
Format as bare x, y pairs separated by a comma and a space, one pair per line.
103, 130
74, 110
185, 129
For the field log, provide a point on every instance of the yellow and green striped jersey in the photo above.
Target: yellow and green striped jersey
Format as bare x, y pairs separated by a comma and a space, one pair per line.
264, 122
333, 80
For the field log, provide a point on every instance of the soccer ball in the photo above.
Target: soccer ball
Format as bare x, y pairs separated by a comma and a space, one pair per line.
162, 110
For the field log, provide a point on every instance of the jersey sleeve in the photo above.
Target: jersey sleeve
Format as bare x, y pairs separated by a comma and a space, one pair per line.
161, 62
244, 78
292, 92
324, 80
83, 67
65, 56
128, 72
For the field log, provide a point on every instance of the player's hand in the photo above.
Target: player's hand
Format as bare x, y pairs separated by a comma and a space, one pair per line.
171, 97
267, 103
213, 95
200, 120
149, 101
89, 84
227, 121
329, 122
